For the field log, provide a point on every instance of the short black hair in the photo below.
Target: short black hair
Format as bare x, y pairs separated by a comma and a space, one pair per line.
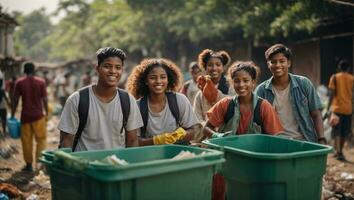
278, 48
343, 65
107, 52
28, 68
247, 66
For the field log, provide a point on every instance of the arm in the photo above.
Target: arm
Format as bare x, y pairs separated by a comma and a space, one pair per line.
145, 141
132, 138
66, 140
208, 130
317, 120
14, 106
191, 132
45, 105
6, 99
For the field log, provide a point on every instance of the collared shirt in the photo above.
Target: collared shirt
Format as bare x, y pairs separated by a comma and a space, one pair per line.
304, 99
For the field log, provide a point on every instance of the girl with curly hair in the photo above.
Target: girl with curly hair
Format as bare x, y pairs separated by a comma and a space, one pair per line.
213, 85
168, 116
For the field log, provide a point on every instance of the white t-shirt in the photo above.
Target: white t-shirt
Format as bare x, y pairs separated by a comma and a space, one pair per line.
104, 122
201, 105
282, 105
192, 91
163, 122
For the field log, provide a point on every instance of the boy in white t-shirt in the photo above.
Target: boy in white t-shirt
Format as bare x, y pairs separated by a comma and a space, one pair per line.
104, 126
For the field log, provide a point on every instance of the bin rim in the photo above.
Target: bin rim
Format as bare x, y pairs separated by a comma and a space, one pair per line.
124, 172
210, 153
325, 149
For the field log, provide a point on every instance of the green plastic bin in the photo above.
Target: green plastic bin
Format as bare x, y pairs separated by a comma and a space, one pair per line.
261, 166
150, 174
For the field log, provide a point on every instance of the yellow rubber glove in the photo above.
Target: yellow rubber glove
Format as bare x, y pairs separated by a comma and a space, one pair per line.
170, 138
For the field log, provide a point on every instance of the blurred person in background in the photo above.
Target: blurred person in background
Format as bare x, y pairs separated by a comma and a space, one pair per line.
190, 88
32, 91
340, 104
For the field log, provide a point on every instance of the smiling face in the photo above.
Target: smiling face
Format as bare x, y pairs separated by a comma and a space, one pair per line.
110, 71
214, 68
157, 80
279, 65
243, 83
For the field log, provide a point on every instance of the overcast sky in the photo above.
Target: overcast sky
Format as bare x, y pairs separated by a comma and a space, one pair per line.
26, 6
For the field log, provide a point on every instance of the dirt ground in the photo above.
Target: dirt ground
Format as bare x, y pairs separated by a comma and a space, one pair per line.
338, 182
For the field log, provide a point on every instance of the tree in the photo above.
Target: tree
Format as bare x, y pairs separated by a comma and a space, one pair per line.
30, 35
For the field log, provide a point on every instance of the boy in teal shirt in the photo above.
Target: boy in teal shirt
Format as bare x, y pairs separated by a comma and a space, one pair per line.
294, 97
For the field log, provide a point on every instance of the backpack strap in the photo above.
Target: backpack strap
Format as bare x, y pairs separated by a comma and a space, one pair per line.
230, 111
257, 113
172, 104
144, 111
83, 109
125, 104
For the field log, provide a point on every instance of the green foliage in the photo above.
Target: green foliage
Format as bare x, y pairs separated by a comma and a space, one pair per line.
30, 35
154, 27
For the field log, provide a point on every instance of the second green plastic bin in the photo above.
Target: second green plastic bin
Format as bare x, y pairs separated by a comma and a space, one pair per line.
260, 166
150, 174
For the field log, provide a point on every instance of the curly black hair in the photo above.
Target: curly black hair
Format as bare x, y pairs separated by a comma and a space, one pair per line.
136, 83
206, 54
107, 52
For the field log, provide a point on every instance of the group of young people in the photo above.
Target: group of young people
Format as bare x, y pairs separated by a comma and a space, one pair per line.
158, 109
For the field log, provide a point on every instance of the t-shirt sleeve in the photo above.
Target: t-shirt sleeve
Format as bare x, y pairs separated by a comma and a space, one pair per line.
217, 112
270, 119
188, 117
69, 119
134, 120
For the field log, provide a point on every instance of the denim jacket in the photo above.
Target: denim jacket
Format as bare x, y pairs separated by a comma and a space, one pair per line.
304, 99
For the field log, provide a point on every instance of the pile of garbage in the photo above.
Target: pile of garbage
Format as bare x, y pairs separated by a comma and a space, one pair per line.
335, 185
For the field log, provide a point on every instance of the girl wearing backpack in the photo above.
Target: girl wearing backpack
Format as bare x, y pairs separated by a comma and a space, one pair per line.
213, 86
168, 116
249, 113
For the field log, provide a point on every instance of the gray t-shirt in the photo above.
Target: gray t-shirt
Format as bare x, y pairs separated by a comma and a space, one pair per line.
104, 122
285, 112
163, 122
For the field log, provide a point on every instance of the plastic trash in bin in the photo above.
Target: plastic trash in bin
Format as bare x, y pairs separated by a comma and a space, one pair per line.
150, 174
14, 127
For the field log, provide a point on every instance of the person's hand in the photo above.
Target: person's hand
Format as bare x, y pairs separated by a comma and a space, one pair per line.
170, 138
220, 135
333, 119
209, 91
201, 82
322, 140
